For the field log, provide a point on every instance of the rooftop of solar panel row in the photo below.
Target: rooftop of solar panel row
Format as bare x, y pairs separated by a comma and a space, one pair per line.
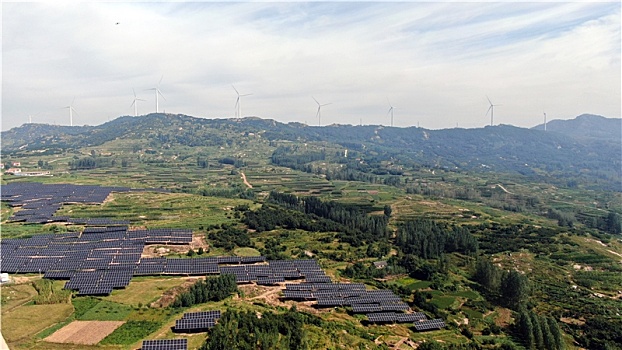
203, 314
429, 324
165, 344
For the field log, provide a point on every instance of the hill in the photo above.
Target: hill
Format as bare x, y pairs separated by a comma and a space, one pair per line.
550, 156
587, 126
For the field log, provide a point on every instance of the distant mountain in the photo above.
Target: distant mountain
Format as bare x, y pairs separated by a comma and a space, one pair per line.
568, 149
587, 126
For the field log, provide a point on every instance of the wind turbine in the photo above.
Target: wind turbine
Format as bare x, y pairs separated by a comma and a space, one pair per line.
71, 110
390, 111
158, 92
544, 121
136, 104
491, 109
319, 108
238, 102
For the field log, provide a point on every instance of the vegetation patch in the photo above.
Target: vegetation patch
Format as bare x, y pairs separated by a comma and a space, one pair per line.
49, 294
106, 311
131, 332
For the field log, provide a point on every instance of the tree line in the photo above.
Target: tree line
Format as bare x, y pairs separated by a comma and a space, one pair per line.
211, 289
429, 239
354, 226
242, 330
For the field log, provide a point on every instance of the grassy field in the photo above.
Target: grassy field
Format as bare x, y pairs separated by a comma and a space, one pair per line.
25, 321
144, 290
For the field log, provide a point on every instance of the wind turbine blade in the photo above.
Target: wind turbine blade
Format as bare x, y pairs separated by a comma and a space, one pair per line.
74, 100
245, 95
326, 104
489, 100
162, 77
489, 108
134, 91
315, 100
236, 90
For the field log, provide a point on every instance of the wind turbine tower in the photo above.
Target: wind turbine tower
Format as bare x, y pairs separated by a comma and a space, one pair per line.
157, 92
491, 109
71, 110
319, 111
238, 102
136, 104
390, 111
544, 121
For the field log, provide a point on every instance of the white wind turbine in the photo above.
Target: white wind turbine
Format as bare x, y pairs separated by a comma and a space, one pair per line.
319, 111
390, 111
158, 92
238, 102
136, 104
544, 121
71, 110
491, 109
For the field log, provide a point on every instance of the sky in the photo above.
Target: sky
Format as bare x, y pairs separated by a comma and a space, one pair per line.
436, 63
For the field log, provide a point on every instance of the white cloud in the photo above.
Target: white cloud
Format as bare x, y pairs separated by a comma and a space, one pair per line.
436, 62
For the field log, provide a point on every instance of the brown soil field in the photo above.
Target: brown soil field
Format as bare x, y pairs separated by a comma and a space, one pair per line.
84, 332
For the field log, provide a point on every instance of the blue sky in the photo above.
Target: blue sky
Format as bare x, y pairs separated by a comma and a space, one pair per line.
434, 62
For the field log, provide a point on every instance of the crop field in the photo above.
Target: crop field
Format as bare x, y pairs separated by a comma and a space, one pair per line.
84, 332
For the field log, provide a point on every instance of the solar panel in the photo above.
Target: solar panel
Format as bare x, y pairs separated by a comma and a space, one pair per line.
213, 314
194, 324
417, 316
365, 308
296, 294
268, 281
165, 344
381, 317
429, 324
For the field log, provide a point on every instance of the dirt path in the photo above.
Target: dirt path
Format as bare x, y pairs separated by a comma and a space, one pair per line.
267, 293
399, 343
503, 188
245, 182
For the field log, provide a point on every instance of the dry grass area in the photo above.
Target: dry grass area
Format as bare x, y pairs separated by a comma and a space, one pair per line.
84, 332
145, 290
27, 320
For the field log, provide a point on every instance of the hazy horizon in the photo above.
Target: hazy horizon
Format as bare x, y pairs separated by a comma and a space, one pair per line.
435, 63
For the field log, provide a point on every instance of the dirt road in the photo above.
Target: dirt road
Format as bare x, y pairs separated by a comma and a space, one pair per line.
245, 182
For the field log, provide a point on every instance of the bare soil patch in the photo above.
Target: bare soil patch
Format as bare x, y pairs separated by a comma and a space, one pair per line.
84, 332
270, 296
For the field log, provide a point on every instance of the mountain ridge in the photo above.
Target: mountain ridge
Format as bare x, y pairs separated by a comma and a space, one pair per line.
503, 148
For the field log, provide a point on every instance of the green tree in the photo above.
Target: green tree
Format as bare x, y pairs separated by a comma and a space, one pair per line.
514, 289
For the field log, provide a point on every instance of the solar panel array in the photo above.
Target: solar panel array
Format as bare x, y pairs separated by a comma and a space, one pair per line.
429, 324
165, 344
276, 271
39, 202
197, 321
103, 258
